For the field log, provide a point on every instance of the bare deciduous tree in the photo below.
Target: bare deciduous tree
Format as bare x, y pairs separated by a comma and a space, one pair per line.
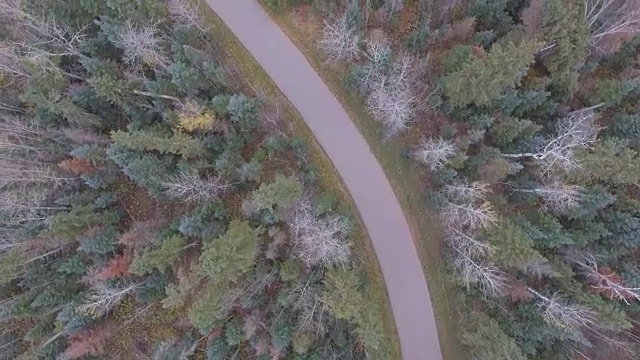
192, 188
578, 130
378, 52
435, 153
391, 98
319, 240
562, 314
142, 46
340, 40
467, 243
603, 279
611, 17
558, 196
17, 171
104, 298
474, 272
185, 14
466, 207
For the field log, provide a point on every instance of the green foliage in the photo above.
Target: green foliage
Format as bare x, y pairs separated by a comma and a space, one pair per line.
145, 169
625, 127
117, 92
596, 197
626, 55
547, 232
512, 245
508, 130
74, 265
341, 295
490, 14
71, 224
482, 80
612, 92
159, 258
528, 103
99, 241
487, 340
204, 221
281, 334
289, 270
178, 143
243, 111
233, 332
208, 310
177, 293
283, 192
152, 289
456, 57
611, 162
565, 26
186, 77
217, 349
11, 264
232, 254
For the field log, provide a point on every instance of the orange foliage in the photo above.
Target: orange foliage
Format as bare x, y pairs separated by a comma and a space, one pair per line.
87, 343
117, 267
517, 291
478, 52
78, 166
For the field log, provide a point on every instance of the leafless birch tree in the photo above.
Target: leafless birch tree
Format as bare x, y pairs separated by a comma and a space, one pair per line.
379, 55
142, 46
466, 206
340, 40
561, 314
18, 171
103, 298
603, 279
558, 196
191, 187
185, 14
391, 98
319, 240
468, 244
475, 272
578, 130
36, 43
435, 153
610, 17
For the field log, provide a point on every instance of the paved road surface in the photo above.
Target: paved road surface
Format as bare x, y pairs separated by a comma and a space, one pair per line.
363, 176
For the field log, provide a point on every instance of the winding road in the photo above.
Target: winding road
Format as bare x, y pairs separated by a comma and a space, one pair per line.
376, 202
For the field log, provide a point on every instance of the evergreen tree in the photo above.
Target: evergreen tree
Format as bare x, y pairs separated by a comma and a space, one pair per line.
564, 26
609, 161
177, 143
488, 342
341, 294
482, 80
512, 246
232, 254
159, 258
283, 192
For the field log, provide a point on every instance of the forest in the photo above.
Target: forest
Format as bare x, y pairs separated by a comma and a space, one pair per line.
522, 118
154, 204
